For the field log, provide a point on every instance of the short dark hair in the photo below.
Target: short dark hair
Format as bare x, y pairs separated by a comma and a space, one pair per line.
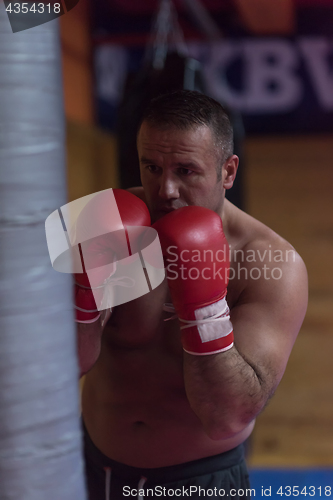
186, 109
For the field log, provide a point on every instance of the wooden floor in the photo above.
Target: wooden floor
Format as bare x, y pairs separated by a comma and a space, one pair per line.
290, 188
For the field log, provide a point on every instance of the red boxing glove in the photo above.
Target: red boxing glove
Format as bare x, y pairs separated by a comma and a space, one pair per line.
100, 253
196, 252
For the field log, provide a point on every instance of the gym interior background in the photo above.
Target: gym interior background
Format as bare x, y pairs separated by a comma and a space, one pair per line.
271, 64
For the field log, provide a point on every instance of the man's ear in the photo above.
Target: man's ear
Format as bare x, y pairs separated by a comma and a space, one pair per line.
229, 171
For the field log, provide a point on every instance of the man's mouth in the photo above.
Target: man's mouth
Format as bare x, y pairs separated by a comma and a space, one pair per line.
161, 210
166, 210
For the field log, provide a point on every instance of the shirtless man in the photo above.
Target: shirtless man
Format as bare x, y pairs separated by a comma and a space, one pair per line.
155, 415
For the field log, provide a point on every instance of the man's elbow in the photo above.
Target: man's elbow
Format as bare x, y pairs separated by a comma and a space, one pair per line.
224, 430
227, 427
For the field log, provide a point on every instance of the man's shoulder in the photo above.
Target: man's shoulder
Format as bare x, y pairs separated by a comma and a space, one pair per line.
249, 237
262, 259
138, 191
264, 245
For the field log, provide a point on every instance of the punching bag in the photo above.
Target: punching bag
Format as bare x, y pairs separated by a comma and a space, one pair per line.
40, 438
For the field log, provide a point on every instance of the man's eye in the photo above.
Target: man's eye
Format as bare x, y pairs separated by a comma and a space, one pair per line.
185, 171
152, 168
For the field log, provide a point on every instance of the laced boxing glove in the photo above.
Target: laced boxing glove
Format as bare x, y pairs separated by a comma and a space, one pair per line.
196, 254
100, 253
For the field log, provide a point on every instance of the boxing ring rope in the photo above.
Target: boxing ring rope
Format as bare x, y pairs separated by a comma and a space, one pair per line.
40, 448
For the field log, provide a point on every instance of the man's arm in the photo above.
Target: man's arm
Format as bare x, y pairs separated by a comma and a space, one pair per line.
89, 336
227, 390
107, 217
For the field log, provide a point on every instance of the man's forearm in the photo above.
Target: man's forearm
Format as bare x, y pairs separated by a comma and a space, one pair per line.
89, 337
224, 391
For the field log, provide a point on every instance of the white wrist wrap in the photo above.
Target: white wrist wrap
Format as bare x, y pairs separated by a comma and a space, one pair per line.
213, 321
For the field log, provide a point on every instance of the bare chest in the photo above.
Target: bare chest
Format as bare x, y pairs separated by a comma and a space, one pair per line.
141, 360
144, 324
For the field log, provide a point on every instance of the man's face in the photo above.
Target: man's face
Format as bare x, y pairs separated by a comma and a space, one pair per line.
179, 168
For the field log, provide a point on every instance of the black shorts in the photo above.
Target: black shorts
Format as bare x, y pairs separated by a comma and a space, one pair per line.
219, 476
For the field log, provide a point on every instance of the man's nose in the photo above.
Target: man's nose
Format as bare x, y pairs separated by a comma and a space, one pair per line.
169, 188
